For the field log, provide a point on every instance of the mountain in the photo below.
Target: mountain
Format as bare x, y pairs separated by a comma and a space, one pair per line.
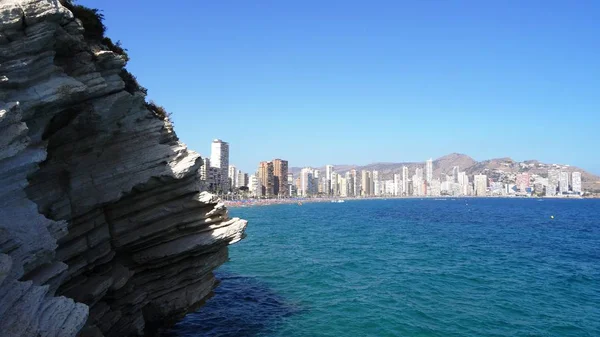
499, 169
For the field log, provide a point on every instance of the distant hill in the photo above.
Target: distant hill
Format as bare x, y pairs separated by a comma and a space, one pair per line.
499, 169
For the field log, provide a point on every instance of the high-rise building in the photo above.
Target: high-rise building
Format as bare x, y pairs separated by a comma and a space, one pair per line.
219, 158
342, 186
455, 172
418, 183
290, 183
480, 181
334, 183
298, 184
265, 175
365, 188
404, 180
465, 186
563, 183
315, 184
435, 188
328, 172
254, 186
204, 168
350, 182
356, 183
553, 180
280, 172
397, 185
576, 182
376, 183
419, 173
429, 170
306, 182
213, 179
204, 175
522, 181
232, 176
242, 179
463, 183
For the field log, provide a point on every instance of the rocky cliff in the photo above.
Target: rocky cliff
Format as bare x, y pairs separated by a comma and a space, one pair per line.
103, 228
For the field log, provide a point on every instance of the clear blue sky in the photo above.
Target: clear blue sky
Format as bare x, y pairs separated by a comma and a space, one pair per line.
356, 82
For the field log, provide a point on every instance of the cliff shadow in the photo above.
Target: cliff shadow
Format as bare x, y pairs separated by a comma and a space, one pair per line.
241, 306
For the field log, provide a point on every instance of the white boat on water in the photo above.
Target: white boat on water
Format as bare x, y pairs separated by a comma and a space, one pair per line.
337, 200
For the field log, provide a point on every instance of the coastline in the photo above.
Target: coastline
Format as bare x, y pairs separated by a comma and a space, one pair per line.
288, 201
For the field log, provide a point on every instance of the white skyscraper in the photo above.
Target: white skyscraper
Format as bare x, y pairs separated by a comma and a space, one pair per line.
435, 188
232, 176
418, 183
328, 172
219, 158
375, 183
455, 174
463, 183
576, 182
306, 181
429, 170
419, 173
563, 183
241, 179
397, 185
335, 188
350, 182
254, 185
480, 185
553, 180
343, 186
404, 180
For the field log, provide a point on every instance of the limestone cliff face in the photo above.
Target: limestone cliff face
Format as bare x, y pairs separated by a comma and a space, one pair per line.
103, 230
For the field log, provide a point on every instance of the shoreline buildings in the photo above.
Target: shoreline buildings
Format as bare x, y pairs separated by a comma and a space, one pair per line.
273, 180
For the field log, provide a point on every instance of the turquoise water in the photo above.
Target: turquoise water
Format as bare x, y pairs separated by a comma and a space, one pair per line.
463, 267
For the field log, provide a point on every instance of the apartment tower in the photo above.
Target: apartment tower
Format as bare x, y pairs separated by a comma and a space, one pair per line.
219, 158
280, 177
265, 176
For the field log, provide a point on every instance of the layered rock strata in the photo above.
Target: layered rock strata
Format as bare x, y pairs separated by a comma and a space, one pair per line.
103, 228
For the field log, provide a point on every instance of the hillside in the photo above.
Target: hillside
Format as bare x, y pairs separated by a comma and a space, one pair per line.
499, 169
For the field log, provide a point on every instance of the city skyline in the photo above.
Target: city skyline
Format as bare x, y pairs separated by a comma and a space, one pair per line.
274, 179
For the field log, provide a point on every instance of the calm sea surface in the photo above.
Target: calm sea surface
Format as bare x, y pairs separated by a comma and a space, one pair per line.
454, 267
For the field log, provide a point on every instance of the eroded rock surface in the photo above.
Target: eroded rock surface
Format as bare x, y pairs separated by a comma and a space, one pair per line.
103, 228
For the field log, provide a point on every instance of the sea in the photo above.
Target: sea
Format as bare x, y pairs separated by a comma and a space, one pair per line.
410, 267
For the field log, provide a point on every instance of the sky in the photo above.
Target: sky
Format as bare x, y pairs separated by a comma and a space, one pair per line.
357, 82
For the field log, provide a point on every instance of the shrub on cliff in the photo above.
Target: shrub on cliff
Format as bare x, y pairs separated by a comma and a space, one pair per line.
131, 83
91, 18
159, 111
116, 48
92, 21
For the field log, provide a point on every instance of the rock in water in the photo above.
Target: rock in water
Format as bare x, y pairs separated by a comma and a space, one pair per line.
103, 228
